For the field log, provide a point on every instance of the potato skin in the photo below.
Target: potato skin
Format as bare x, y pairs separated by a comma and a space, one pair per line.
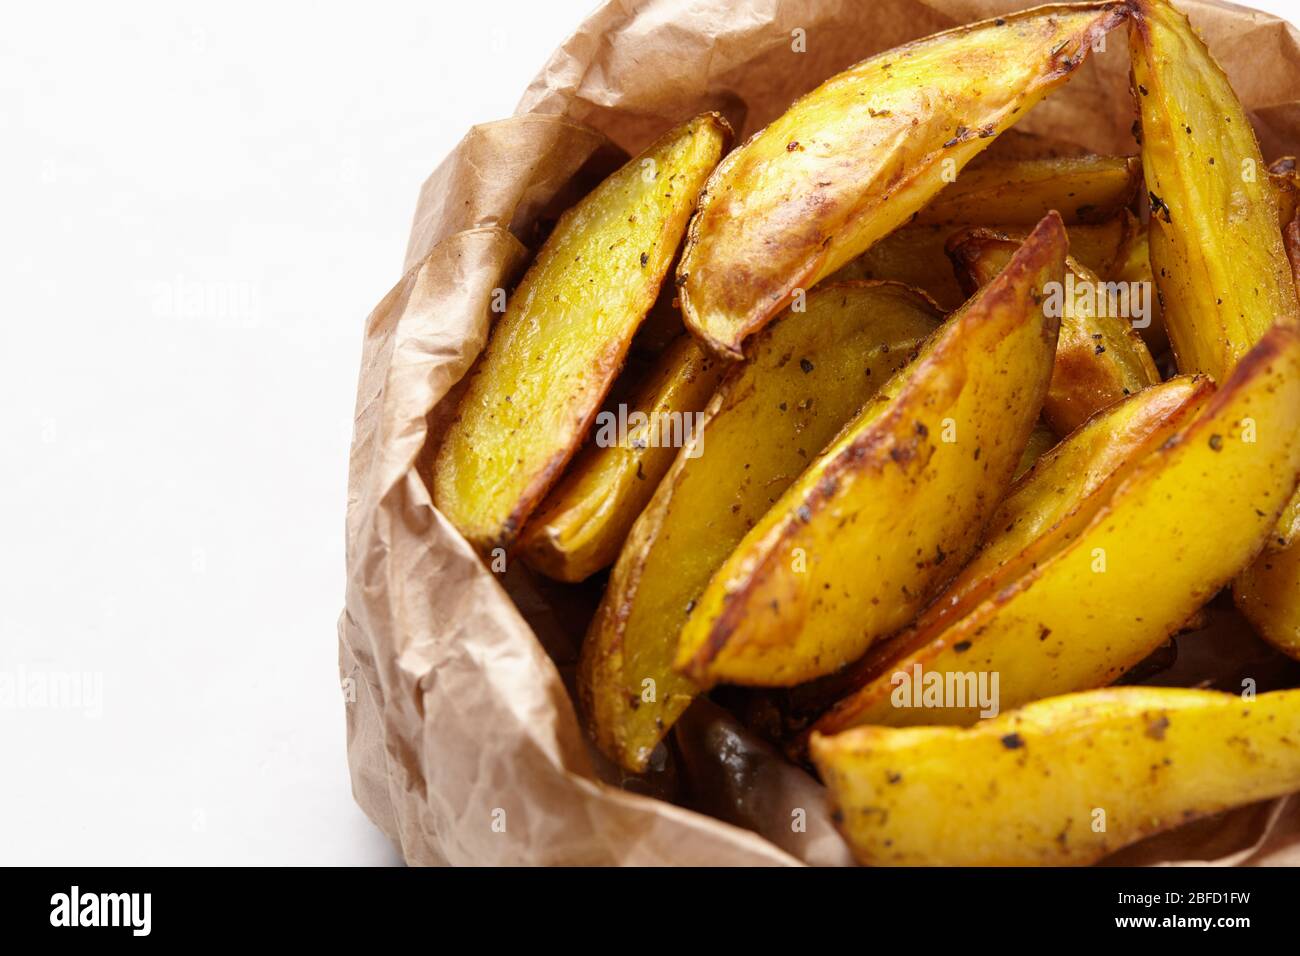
580, 527
889, 511
1087, 613
807, 375
1084, 189
1100, 358
855, 158
1063, 781
553, 356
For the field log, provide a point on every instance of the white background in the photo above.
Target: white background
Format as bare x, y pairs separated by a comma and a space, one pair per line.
198, 208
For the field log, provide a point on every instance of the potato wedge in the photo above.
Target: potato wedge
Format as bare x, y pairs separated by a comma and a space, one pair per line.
895, 505
1064, 781
1021, 192
917, 256
854, 159
1100, 357
1216, 246
1268, 595
807, 375
554, 354
580, 527
1044, 510
1133, 266
1198, 509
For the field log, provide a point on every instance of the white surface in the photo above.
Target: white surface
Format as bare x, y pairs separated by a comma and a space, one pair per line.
200, 207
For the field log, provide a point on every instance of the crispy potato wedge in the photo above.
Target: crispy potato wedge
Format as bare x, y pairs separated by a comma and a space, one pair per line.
917, 256
1029, 787
895, 505
1216, 247
555, 353
854, 159
580, 527
1100, 357
1021, 192
1268, 594
1198, 508
807, 375
1044, 510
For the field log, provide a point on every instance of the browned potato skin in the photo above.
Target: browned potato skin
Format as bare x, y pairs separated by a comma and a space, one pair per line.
553, 356
1100, 359
580, 527
1064, 781
806, 375
916, 500
1021, 192
854, 159
917, 255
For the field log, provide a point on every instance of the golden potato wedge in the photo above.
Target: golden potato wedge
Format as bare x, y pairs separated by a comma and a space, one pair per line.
894, 506
1133, 266
1268, 595
1100, 357
1216, 246
580, 527
1040, 515
1063, 781
807, 375
1191, 515
554, 354
917, 256
1021, 192
854, 159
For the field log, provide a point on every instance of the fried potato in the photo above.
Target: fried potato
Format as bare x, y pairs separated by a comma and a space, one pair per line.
917, 255
1100, 358
1040, 515
583, 522
1216, 247
807, 375
855, 158
1268, 595
891, 509
1198, 509
556, 351
1021, 192
1063, 781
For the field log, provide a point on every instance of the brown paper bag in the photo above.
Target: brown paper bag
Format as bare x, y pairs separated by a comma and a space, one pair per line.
462, 738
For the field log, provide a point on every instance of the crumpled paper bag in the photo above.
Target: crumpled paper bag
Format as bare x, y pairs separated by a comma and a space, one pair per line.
463, 743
